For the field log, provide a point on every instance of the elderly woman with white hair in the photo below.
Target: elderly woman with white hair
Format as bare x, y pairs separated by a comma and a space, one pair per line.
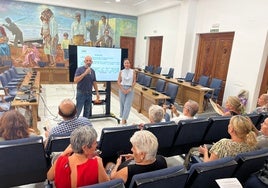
78, 165
143, 159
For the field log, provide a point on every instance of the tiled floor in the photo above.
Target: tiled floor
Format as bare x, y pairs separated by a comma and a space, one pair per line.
52, 95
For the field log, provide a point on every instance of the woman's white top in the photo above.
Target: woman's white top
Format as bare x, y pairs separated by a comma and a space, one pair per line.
127, 77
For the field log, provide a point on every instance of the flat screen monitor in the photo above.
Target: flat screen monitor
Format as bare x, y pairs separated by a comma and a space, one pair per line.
106, 61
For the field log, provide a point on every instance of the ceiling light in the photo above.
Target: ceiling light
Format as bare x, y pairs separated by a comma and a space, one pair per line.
117, 1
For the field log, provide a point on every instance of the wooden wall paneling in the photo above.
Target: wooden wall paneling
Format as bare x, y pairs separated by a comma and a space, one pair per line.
155, 51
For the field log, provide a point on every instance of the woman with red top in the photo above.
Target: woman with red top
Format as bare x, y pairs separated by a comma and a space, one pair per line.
78, 165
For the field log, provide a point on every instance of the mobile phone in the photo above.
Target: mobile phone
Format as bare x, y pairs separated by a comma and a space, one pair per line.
45, 128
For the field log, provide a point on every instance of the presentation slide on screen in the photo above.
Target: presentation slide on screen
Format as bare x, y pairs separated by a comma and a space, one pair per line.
106, 61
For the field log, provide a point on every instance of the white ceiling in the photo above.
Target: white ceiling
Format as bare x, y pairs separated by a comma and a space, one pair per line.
127, 7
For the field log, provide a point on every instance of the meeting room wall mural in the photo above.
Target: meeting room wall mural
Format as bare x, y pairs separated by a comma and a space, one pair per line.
34, 33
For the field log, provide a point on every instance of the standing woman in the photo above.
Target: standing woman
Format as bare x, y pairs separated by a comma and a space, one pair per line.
126, 81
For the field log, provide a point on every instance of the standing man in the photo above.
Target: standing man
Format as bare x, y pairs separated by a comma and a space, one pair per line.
86, 79
78, 30
15, 31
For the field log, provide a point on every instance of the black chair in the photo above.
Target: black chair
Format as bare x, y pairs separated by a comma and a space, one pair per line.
171, 91
22, 162
160, 86
217, 129
12, 90
203, 81
42, 64
168, 177
189, 134
216, 85
263, 116
114, 141
7, 63
115, 183
140, 77
158, 70
255, 118
170, 73
57, 143
161, 130
146, 81
204, 174
248, 163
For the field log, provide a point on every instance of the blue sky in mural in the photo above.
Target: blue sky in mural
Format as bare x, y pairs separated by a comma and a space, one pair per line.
27, 17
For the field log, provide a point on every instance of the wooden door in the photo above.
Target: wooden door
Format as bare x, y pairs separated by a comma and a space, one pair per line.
129, 43
213, 57
155, 51
264, 83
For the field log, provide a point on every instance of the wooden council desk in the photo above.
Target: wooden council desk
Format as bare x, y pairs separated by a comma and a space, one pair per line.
35, 89
185, 92
143, 99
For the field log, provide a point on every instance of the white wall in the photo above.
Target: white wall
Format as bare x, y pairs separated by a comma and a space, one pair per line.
181, 25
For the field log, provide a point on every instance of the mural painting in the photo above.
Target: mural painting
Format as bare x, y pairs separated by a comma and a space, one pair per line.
33, 34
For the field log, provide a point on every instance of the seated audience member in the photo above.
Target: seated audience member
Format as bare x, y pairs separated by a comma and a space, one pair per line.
233, 107
67, 110
243, 139
78, 165
4, 106
156, 115
262, 104
13, 126
190, 109
262, 137
143, 159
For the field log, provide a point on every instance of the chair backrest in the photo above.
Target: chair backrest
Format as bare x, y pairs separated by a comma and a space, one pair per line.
190, 133
249, 162
115, 183
171, 91
189, 77
171, 72
22, 162
8, 75
57, 143
150, 68
204, 174
261, 120
147, 81
160, 85
255, 118
3, 79
140, 77
216, 85
60, 64
203, 81
158, 70
217, 129
115, 140
161, 130
169, 177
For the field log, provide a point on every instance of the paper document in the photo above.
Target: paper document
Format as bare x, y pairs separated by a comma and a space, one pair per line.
215, 106
229, 183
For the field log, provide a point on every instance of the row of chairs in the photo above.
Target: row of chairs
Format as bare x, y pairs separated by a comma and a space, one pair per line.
199, 175
181, 137
152, 69
24, 162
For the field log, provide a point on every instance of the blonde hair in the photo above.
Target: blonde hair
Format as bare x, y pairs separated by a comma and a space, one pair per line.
243, 128
234, 101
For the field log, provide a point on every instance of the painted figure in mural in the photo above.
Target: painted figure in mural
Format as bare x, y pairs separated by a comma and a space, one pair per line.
31, 55
78, 30
104, 26
93, 30
11, 26
65, 46
51, 48
4, 47
45, 33
105, 41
